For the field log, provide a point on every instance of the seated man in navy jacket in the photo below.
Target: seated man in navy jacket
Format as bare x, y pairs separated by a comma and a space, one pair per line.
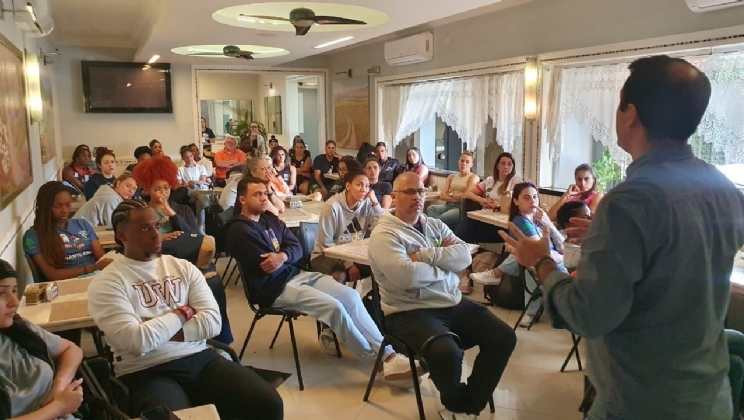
268, 254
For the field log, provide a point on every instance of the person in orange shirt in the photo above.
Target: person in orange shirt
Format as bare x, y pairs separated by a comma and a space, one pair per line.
225, 159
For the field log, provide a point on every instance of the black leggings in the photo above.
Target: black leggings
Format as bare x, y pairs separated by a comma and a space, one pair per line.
476, 326
200, 379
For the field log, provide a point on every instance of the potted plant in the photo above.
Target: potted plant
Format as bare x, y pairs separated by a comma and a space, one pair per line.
607, 171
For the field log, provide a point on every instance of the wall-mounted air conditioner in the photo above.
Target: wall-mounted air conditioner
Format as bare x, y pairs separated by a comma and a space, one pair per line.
702, 6
34, 17
411, 50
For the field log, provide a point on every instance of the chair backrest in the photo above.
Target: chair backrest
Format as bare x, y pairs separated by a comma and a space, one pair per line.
215, 227
35, 272
246, 286
377, 305
307, 234
105, 395
467, 205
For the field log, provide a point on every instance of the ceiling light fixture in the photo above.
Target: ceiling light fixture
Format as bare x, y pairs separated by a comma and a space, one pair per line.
153, 59
328, 44
129, 84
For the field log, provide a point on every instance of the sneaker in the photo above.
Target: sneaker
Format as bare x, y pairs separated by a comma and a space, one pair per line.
327, 343
486, 277
526, 321
448, 415
399, 368
465, 287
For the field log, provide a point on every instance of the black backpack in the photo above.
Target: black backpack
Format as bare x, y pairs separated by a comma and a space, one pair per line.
508, 295
364, 151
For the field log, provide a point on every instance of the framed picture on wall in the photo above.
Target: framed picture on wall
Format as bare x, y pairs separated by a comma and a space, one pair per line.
15, 152
46, 126
351, 111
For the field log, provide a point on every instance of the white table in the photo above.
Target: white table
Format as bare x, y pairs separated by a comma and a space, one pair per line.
203, 412
40, 313
432, 196
356, 252
293, 217
106, 236
216, 191
491, 217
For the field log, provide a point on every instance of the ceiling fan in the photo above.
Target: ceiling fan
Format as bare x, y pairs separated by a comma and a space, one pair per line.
230, 51
303, 19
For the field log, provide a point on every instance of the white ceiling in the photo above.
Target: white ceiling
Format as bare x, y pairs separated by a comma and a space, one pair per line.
157, 26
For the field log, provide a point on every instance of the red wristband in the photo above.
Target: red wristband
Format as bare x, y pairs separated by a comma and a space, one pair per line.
186, 311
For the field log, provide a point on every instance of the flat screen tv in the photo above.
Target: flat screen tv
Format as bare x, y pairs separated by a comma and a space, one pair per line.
117, 87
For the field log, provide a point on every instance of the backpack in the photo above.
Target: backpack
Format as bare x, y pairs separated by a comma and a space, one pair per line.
364, 151
508, 295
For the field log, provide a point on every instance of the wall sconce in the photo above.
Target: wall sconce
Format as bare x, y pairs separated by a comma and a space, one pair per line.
530, 89
35, 104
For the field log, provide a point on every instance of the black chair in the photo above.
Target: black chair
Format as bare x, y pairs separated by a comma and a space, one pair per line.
222, 219
535, 295
576, 339
288, 316
401, 347
306, 234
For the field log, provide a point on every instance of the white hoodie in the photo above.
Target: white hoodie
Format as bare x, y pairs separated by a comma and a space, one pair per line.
127, 291
430, 283
97, 211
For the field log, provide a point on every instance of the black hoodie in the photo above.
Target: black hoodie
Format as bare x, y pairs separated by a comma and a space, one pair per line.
248, 240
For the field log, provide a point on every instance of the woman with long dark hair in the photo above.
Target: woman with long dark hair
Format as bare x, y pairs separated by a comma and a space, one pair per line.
282, 168
78, 172
60, 247
415, 163
585, 189
38, 368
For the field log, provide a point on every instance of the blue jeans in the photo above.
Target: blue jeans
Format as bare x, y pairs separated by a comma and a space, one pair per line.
448, 213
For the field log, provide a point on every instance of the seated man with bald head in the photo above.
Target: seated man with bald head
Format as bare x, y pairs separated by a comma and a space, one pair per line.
415, 260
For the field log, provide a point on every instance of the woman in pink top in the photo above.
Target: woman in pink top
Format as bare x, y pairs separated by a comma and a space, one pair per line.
415, 163
585, 189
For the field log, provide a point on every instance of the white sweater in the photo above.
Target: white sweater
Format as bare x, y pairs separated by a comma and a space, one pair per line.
127, 291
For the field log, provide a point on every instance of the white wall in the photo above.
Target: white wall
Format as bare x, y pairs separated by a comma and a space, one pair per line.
537, 27
18, 216
120, 132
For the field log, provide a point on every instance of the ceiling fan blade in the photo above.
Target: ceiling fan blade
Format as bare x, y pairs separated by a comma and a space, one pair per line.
302, 30
266, 17
206, 53
335, 20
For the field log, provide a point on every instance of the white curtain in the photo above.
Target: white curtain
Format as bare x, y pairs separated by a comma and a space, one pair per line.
464, 105
553, 124
394, 100
590, 96
723, 123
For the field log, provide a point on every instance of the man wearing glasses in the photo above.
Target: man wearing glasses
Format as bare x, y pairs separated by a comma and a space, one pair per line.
415, 259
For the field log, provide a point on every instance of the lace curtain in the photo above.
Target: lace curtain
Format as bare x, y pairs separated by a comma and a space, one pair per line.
463, 104
394, 100
722, 125
590, 96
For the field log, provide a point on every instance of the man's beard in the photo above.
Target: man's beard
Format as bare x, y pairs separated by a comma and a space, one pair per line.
152, 256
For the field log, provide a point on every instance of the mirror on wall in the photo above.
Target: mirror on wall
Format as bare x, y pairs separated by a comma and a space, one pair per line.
224, 115
273, 106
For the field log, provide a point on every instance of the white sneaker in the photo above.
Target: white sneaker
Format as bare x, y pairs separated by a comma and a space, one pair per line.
327, 343
399, 368
486, 277
526, 321
448, 415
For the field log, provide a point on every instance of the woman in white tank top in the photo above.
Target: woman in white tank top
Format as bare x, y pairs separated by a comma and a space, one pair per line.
455, 186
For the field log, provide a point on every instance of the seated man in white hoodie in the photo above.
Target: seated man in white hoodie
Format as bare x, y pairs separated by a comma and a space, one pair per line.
348, 216
157, 312
415, 260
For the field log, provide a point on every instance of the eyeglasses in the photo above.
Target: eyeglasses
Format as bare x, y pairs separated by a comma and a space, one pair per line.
411, 192
167, 188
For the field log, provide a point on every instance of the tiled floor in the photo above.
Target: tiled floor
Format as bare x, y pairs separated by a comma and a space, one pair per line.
532, 387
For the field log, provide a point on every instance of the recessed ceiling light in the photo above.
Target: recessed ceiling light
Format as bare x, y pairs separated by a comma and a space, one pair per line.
328, 44
129, 84
153, 59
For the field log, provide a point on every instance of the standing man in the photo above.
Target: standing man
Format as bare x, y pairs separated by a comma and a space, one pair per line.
415, 260
389, 167
322, 165
229, 157
653, 282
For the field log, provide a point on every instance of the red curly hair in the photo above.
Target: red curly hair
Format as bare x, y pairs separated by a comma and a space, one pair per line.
156, 169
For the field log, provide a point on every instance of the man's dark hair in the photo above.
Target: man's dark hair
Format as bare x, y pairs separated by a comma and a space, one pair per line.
120, 216
670, 94
382, 143
273, 140
242, 189
141, 151
330, 142
567, 211
353, 173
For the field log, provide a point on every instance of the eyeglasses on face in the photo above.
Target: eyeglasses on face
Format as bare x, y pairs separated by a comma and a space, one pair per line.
411, 192
158, 190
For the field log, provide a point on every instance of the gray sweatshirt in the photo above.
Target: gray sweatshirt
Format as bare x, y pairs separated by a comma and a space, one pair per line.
430, 283
97, 211
339, 224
